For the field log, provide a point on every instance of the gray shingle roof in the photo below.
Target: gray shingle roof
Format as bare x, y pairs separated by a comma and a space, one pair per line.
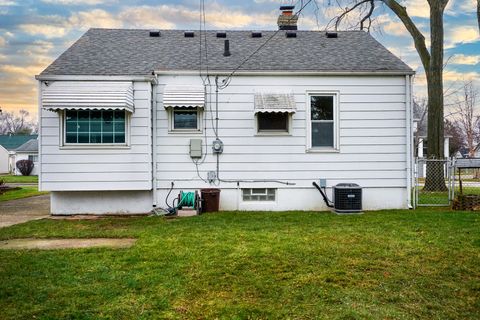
134, 52
12, 142
29, 146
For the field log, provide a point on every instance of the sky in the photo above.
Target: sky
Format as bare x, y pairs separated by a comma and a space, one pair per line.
33, 33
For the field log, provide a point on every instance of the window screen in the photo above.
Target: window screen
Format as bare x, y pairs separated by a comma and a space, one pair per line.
268, 121
323, 121
95, 126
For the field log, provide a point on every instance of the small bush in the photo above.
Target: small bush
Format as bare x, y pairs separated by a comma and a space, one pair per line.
25, 167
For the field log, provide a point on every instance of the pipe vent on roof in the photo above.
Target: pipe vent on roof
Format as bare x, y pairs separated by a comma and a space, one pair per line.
154, 33
256, 34
291, 34
189, 34
332, 35
221, 34
226, 51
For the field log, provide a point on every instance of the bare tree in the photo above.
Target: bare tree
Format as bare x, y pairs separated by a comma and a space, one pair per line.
17, 123
468, 116
432, 61
453, 129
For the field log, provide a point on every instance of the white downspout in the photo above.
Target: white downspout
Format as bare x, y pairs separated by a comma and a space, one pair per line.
154, 142
409, 154
39, 136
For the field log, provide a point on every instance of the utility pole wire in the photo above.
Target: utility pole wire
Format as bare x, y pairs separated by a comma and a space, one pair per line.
226, 81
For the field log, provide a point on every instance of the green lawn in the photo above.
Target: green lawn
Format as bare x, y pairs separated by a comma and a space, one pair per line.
8, 178
21, 192
422, 264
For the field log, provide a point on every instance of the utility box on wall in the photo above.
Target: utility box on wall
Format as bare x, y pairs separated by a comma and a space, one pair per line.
195, 148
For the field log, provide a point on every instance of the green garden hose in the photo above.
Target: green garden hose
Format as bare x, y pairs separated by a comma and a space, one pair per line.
187, 199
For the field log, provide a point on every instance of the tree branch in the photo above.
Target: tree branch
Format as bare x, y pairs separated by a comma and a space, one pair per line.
418, 37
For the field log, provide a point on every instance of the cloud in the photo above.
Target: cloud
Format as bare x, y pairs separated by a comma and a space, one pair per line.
96, 18
460, 34
452, 75
465, 59
7, 3
47, 30
2, 42
417, 8
78, 2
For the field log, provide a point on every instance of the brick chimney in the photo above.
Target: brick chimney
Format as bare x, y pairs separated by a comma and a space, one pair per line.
287, 20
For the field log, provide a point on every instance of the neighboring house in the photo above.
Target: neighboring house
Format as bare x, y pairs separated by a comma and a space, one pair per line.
28, 151
8, 145
4, 160
126, 114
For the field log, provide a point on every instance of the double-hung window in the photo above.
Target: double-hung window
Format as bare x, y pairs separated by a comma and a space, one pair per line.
95, 127
322, 120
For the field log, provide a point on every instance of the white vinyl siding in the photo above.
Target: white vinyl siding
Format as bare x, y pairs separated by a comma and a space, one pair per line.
371, 135
99, 167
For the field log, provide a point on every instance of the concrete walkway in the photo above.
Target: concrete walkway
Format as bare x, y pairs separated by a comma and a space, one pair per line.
23, 210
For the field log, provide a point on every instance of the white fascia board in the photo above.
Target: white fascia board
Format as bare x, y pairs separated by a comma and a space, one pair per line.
288, 73
94, 78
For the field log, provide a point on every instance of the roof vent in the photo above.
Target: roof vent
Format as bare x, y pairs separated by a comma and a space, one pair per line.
154, 33
256, 34
226, 51
189, 34
332, 35
290, 34
221, 34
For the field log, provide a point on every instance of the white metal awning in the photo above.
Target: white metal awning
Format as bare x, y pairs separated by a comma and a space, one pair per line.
184, 96
88, 95
274, 102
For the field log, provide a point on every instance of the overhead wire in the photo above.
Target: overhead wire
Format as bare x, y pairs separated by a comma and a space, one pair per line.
226, 81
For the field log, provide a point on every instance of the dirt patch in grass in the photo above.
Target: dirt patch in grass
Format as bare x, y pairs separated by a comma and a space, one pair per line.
49, 244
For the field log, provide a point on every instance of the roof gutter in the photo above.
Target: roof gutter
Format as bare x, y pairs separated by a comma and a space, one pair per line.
288, 73
40, 77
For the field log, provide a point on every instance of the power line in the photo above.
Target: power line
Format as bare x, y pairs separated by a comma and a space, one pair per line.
226, 81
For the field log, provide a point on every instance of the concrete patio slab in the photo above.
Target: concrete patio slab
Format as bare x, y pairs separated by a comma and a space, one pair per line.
50, 244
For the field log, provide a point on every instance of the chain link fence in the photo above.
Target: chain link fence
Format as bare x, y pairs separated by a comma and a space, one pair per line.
434, 182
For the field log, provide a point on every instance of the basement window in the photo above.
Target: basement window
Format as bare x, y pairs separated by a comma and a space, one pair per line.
258, 194
89, 127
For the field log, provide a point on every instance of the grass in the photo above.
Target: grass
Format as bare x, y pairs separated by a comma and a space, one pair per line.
295, 265
21, 192
9, 178
441, 198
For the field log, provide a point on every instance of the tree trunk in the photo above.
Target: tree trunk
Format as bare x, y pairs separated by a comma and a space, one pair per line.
478, 14
435, 178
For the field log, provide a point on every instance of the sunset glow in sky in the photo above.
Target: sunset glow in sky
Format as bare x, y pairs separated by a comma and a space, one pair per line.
35, 32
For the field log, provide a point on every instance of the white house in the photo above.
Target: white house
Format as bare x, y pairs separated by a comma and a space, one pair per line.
8, 145
126, 114
28, 151
4, 160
